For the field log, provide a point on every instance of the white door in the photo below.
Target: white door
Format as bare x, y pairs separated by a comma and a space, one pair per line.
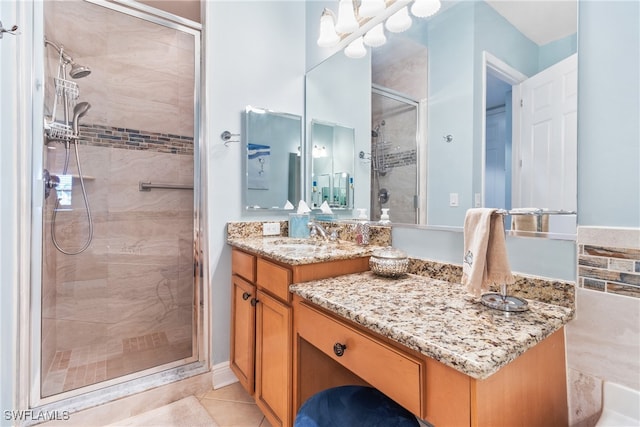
545, 168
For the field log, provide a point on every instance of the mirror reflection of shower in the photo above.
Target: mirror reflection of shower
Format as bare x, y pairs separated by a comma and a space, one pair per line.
379, 164
65, 130
394, 133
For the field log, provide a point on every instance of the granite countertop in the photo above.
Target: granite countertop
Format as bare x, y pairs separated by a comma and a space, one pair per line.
437, 318
301, 251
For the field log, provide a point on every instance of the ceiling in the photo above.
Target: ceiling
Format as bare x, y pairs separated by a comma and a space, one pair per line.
542, 21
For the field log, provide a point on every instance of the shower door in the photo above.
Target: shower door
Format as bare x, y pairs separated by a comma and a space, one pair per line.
394, 171
120, 285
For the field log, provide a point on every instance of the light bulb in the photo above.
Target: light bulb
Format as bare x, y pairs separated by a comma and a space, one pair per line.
328, 36
356, 49
375, 37
399, 21
425, 8
371, 8
346, 17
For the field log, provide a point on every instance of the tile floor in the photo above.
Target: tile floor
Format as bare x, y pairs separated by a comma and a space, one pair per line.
231, 406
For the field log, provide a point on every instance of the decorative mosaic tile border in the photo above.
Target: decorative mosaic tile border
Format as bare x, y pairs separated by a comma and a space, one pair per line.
400, 158
609, 260
133, 139
612, 270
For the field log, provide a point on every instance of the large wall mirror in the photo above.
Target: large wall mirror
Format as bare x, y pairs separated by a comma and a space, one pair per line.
272, 166
443, 131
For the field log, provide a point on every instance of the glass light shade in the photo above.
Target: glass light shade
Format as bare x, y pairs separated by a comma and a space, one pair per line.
399, 21
371, 8
346, 17
328, 36
356, 49
425, 8
375, 37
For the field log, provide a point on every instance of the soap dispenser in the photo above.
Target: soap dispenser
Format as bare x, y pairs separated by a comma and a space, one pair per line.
362, 228
384, 218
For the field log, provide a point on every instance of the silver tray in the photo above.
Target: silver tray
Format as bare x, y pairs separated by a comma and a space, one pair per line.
508, 303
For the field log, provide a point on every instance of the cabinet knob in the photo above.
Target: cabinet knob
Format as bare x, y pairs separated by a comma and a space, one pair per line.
254, 301
246, 296
339, 349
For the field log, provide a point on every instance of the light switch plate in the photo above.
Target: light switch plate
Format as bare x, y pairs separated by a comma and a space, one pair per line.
271, 229
453, 199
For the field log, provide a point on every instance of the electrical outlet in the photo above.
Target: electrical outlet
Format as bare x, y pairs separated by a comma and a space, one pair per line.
478, 201
271, 229
453, 199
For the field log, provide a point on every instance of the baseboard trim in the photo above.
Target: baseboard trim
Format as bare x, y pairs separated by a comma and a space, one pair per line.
222, 375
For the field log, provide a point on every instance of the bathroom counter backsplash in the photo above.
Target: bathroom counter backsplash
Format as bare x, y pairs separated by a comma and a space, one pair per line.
248, 236
379, 235
437, 318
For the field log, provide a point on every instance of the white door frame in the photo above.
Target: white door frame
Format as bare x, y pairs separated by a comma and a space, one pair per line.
497, 67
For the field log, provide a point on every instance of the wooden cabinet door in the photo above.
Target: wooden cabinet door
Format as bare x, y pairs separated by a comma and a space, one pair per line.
274, 359
243, 331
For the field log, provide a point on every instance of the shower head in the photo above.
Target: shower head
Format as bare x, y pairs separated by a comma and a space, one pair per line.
79, 110
79, 71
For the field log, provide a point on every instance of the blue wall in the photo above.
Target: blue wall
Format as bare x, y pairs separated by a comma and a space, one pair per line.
609, 114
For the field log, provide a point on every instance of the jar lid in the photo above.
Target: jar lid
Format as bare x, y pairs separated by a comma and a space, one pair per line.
389, 253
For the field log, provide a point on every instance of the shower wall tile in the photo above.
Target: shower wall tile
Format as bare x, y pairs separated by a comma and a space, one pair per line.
137, 66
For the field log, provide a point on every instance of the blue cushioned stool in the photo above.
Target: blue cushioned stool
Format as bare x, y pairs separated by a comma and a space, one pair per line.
353, 406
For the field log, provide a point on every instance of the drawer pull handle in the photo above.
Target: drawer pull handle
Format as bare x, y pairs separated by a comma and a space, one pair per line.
254, 301
339, 349
246, 296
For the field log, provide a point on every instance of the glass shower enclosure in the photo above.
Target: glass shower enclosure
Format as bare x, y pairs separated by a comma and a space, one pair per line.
120, 288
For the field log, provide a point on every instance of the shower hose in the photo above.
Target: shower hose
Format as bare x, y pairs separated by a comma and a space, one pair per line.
86, 204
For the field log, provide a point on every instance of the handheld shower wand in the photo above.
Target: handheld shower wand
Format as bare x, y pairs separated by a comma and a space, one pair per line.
79, 111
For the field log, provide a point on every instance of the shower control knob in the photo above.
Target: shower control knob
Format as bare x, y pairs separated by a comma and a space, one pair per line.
339, 349
50, 181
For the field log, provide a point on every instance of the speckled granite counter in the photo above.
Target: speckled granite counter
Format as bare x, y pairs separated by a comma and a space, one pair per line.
301, 251
437, 318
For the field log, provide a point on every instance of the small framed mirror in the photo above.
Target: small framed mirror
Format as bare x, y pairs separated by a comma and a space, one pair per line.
272, 171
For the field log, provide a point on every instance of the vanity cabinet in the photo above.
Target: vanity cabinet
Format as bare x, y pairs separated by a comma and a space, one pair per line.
330, 351
262, 325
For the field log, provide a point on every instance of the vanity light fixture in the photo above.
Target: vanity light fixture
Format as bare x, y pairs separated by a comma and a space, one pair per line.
347, 22
399, 21
375, 37
371, 8
425, 8
328, 35
354, 15
356, 49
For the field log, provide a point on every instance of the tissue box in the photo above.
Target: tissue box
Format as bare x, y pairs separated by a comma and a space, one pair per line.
298, 225
325, 217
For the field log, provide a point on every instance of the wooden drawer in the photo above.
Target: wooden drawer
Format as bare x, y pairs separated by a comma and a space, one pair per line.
243, 264
395, 373
274, 279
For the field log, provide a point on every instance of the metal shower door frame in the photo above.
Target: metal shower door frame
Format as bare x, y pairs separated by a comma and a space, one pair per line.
29, 372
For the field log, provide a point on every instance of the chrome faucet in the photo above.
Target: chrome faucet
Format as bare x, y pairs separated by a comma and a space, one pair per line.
316, 229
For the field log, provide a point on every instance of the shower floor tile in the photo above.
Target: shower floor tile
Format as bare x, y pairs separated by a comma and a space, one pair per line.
82, 366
